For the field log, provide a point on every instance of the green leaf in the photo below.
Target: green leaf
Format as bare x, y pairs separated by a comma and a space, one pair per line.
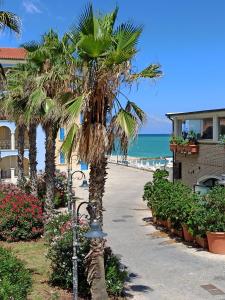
137, 110
74, 107
92, 47
152, 71
126, 122
68, 143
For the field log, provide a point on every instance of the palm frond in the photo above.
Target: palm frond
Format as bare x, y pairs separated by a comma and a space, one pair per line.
126, 36
74, 107
127, 122
85, 23
10, 20
107, 22
152, 71
68, 143
90, 47
132, 107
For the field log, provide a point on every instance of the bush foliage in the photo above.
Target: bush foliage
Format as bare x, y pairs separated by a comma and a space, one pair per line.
179, 204
21, 217
60, 239
15, 280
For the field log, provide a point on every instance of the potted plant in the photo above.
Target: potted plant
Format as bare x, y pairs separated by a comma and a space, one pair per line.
222, 140
215, 220
197, 222
180, 141
173, 143
193, 143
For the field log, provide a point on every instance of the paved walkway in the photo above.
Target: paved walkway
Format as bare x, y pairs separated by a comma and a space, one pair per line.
161, 269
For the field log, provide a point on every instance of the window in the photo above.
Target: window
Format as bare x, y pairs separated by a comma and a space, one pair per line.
61, 134
83, 166
203, 128
62, 158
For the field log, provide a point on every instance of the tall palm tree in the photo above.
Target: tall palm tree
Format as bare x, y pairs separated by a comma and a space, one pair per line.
18, 83
105, 53
47, 98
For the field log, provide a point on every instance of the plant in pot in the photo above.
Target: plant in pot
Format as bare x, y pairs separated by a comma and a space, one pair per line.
180, 141
173, 143
185, 144
193, 143
222, 140
215, 220
180, 207
197, 221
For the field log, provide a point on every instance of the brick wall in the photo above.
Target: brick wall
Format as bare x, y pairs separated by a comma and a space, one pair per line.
210, 161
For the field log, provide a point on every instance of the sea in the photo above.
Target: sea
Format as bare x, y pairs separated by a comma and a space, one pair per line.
150, 146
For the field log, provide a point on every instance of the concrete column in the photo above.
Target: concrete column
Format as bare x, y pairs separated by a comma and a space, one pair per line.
12, 174
215, 128
12, 141
177, 127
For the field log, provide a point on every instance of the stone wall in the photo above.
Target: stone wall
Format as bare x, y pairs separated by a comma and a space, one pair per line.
210, 161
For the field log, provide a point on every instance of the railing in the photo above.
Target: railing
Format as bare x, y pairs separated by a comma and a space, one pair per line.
5, 144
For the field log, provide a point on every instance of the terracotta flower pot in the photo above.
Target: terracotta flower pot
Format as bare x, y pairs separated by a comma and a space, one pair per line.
177, 232
173, 147
193, 148
187, 236
169, 224
203, 242
162, 222
179, 148
216, 241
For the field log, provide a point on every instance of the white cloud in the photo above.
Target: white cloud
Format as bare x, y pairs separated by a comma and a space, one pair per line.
31, 7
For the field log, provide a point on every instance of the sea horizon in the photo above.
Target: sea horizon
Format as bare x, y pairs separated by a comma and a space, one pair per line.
149, 145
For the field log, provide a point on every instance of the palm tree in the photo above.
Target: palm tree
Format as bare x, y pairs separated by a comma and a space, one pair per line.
49, 94
18, 82
105, 54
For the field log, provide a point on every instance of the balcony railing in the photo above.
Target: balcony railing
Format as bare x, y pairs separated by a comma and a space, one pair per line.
5, 144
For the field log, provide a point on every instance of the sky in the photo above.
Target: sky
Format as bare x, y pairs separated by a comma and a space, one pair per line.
187, 38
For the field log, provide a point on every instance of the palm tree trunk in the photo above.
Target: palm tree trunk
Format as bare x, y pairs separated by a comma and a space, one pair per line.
96, 270
20, 158
32, 133
51, 134
97, 185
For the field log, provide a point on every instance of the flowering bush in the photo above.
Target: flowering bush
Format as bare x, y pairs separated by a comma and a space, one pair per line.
21, 217
9, 188
15, 280
61, 252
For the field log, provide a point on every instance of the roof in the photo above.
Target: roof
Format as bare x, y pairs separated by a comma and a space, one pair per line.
174, 114
13, 53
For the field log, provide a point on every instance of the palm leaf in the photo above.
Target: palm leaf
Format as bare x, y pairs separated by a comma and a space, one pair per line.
127, 122
9, 20
152, 71
85, 24
126, 36
91, 47
131, 106
69, 141
74, 107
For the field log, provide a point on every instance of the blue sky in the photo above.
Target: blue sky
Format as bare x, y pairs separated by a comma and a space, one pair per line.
186, 37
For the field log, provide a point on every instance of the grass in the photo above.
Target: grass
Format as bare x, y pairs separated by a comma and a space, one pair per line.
33, 254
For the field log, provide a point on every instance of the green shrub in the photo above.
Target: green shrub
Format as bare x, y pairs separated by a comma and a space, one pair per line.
60, 253
169, 200
15, 280
21, 217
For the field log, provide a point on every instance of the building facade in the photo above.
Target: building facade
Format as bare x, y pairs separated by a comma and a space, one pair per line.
206, 167
61, 162
8, 130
